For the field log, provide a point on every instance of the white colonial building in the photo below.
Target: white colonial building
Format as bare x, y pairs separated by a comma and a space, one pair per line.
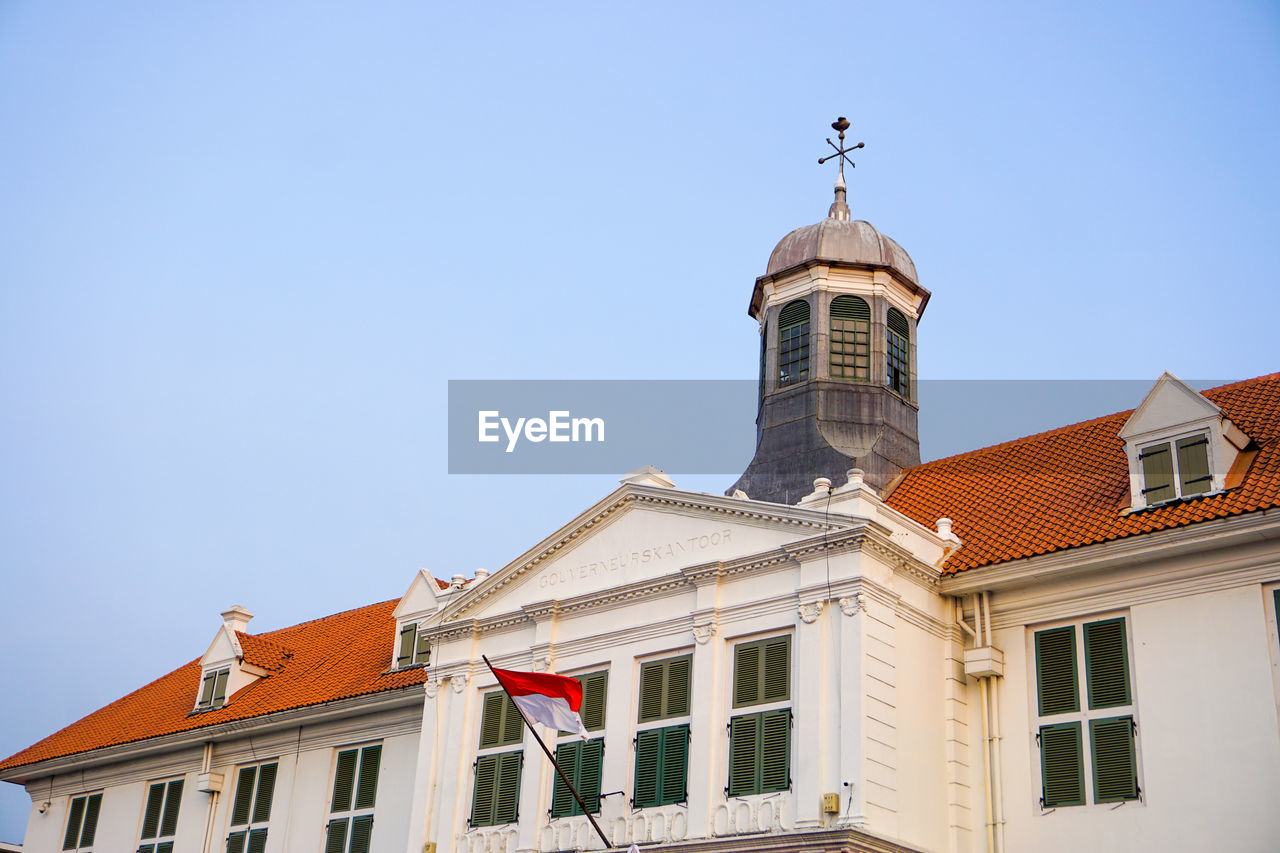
1059, 643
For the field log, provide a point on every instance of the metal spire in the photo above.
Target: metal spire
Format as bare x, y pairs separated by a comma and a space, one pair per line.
840, 208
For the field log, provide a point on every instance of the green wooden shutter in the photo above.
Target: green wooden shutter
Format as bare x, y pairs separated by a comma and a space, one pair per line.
147, 848
90, 829
850, 308
569, 757
151, 817
775, 683
506, 806
744, 753
1056, 671
244, 796
172, 800
652, 677
512, 723
367, 787
1106, 663
407, 637
793, 313
164, 847
257, 842
361, 834
220, 686
1115, 766
677, 688
75, 819
1061, 765
486, 784
206, 688
236, 842
594, 692
343, 782
590, 774
746, 674
675, 764
491, 719
336, 839
775, 750
648, 751
1193, 465
1157, 473
266, 789
422, 650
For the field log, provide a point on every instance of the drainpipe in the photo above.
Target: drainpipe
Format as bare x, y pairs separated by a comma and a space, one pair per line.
986, 664
206, 762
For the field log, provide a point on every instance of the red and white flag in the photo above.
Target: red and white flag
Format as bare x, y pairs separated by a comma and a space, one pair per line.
552, 700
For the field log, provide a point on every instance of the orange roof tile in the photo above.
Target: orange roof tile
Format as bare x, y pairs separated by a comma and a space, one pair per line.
1066, 487
336, 657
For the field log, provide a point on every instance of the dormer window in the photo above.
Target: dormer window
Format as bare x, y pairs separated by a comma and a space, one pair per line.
1175, 469
413, 648
213, 689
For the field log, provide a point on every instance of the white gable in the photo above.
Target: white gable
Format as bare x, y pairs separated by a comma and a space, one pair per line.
224, 648
638, 533
1170, 404
421, 598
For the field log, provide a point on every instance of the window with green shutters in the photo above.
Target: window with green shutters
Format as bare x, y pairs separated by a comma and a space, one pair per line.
850, 338
412, 649
251, 809
355, 788
82, 822
793, 343
1086, 727
213, 689
496, 798
662, 741
160, 819
760, 743
582, 761
1175, 469
899, 354
497, 792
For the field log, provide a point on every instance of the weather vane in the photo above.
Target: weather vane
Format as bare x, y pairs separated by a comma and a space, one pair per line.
841, 124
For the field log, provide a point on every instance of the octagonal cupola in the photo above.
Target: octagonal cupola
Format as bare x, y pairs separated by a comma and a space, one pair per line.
837, 309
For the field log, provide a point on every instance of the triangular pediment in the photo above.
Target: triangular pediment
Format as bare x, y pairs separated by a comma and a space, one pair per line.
225, 647
637, 533
421, 598
1171, 403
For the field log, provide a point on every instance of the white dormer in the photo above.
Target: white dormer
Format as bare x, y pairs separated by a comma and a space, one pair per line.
419, 603
1178, 444
224, 668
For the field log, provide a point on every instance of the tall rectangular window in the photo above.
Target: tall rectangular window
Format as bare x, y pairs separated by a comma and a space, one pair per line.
1084, 703
160, 820
82, 823
355, 788
582, 761
496, 797
662, 739
251, 809
760, 741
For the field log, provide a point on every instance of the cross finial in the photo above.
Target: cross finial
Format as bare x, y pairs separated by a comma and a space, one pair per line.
839, 208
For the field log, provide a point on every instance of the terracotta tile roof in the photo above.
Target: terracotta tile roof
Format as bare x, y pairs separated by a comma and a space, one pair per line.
259, 651
1066, 487
336, 657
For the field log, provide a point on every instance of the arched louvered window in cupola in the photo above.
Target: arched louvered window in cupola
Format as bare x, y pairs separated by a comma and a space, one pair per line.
899, 360
850, 338
793, 343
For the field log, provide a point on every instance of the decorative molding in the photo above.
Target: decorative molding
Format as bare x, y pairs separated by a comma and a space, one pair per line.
541, 664
810, 612
459, 682
703, 633
432, 688
852, 605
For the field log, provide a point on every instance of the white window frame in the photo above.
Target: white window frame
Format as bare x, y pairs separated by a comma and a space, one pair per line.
418, 658
159, 839
1082, 716
251, 825
759, 707
352, 814
77, 848
215, 700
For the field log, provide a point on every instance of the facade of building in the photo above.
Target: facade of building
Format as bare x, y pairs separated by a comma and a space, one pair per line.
1060, 642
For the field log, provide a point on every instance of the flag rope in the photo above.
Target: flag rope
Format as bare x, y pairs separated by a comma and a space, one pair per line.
550, 757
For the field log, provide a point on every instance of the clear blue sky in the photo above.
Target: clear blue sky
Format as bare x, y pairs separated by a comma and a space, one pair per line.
242, 249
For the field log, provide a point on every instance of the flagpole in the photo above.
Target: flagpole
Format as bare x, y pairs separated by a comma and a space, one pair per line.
551, 758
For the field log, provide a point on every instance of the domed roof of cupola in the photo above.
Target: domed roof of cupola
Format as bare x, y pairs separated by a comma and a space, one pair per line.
840, 240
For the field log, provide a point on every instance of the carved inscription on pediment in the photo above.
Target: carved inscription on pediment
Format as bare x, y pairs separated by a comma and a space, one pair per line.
659, 556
